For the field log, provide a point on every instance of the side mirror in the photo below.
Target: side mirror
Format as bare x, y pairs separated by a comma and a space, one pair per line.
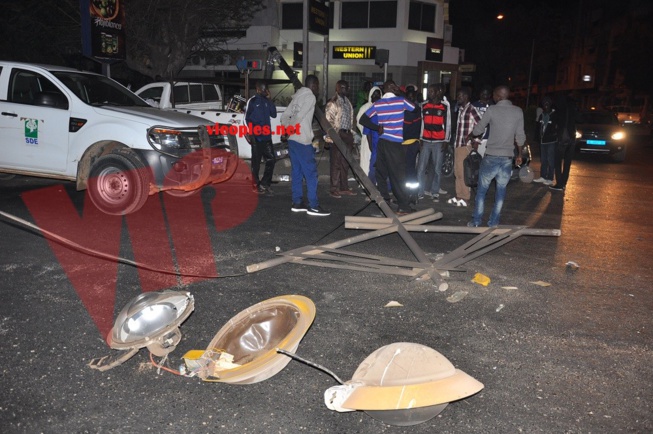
51, 99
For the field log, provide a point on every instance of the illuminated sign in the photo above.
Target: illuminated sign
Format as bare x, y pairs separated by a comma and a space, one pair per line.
353, 52
318, 17
434, 49
103, 29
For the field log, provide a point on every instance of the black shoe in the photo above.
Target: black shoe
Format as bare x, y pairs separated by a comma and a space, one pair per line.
299, 207
259, 190
267, 189
557, 187
405, 211
318, 211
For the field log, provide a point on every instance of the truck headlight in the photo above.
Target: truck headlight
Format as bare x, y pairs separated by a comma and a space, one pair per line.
166, 138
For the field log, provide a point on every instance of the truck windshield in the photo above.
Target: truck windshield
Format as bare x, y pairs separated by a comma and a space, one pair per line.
97, 90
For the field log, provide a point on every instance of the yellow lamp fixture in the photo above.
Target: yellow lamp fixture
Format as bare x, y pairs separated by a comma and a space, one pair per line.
402, 384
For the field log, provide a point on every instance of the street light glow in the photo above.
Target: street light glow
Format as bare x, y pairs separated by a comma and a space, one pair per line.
500, 17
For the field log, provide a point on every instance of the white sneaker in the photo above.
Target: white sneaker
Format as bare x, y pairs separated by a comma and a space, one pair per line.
436, 198
548, 182
428, 193
452, 201
442, 191
540, 179
461, 202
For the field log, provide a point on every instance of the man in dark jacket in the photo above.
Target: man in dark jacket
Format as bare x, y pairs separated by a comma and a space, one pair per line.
546, 133
564, 152
259, 111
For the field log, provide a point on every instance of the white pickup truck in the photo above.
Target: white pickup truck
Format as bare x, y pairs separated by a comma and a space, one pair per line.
196, 96
67, 124
205, 100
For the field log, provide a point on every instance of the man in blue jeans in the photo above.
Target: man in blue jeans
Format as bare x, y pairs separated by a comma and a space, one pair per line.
436, 132
299, 117
506, 131
259, 111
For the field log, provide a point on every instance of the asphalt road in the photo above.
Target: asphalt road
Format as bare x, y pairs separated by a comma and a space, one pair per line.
575, 356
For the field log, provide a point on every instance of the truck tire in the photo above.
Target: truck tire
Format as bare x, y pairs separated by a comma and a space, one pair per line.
118, 183
6, 176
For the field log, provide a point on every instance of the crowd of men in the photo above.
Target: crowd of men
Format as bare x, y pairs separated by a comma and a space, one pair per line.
403, 140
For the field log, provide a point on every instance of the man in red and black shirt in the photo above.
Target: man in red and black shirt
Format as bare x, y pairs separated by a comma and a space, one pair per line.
436, 131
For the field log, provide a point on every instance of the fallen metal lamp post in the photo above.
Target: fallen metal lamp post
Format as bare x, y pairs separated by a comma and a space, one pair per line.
332, 256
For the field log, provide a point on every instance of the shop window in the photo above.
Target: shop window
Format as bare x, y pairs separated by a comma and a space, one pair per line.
365, 14
292, 15
421, 16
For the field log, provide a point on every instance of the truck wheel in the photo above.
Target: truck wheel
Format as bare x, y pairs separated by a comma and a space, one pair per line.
118, 183
6, 176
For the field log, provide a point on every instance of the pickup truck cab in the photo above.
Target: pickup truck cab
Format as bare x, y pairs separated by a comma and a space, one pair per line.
62, 123
199, 96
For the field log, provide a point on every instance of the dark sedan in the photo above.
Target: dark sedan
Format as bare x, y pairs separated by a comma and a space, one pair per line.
599, 132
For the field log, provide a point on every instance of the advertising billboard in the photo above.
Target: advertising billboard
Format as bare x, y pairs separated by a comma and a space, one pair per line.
103, 29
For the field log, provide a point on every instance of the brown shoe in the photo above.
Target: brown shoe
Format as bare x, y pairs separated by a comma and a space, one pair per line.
347, 193
335, 194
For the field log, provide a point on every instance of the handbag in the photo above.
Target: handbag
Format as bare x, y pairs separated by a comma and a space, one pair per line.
471, 168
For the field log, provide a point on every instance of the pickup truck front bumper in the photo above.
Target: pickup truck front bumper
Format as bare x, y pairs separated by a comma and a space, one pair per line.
191, 171
201, 161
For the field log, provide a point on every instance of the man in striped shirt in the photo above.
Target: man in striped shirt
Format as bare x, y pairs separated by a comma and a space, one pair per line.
391, 156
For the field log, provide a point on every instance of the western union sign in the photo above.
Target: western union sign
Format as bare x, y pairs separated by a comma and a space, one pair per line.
353, 52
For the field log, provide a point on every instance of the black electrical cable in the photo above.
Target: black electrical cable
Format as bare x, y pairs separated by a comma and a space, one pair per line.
309, 363
101, 255
97, 254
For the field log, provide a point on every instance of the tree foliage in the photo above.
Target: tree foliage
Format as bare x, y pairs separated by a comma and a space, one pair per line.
40, 31
162, 34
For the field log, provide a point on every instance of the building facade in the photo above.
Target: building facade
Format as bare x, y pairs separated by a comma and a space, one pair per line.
411, 31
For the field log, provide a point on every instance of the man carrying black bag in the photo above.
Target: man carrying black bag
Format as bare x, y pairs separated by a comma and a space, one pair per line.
472, 167
468, 117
